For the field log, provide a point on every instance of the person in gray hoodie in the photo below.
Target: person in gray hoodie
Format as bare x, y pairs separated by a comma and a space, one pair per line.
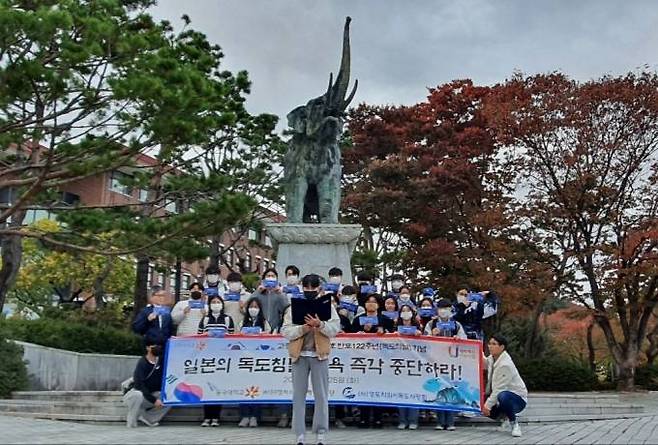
270, 294
507, 391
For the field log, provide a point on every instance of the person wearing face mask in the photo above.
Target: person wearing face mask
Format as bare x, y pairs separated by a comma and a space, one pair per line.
397, 281
363, 279
408, 416
350, 308
309, 347
187, 314
292, 288
213, 281
272, 299
216, 319
425, 308
253, 318
232, 307
404, 297
391, 309
371, 416
470, 314
445, 326
335, 279
155, 319
143, 399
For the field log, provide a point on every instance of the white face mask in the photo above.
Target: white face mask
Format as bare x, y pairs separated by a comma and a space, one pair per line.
216, 307
405, 297
336, 280
292, 279
212, 278
396, 284
406, 315
253, 311
461, 299
445, 312
347, 298
235, 286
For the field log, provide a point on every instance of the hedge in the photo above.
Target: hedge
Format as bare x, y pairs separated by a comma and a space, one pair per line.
556, 374
647, 377
71, 336
13, 372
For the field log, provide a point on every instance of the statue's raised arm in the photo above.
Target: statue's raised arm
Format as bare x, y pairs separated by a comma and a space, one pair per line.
312, 163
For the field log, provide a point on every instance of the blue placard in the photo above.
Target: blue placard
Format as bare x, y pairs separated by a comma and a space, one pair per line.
393, 315
212, 291
216, 332
364, 320
331, 287
232, 296
349, 306
407, 330
162, 310
270, 284
474, 296
445, 325
251, 330
196, 304
426, 312
293, 291
367, 289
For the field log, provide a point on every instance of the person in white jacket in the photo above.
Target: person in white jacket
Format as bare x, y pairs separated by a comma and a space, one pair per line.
309, 348
508, 394
187, 314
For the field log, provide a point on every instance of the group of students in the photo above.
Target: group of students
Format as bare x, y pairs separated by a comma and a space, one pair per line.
359, 308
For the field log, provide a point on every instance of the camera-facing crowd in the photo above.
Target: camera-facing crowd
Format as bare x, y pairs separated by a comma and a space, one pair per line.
356, 308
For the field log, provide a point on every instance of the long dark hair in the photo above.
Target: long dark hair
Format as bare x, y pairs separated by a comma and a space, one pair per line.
210, 312
260, 318
412, 321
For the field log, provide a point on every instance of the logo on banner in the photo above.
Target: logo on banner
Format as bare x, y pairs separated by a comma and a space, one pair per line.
252, 391
348, 392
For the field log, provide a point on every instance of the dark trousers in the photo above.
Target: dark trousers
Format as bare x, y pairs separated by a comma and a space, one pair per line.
212, 411
366, 412
250, 411
509, 405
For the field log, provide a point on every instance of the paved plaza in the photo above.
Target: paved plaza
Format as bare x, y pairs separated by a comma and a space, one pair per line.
639, 430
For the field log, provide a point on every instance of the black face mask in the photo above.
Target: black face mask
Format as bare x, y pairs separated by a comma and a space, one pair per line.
156, 350
310, 294
195, 295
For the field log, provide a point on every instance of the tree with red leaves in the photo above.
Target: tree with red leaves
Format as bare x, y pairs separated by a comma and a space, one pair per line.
587, 157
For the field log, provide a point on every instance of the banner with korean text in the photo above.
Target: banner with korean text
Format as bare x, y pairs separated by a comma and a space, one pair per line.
385, 370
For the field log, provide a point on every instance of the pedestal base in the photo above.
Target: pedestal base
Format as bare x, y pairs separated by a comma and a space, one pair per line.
314, 248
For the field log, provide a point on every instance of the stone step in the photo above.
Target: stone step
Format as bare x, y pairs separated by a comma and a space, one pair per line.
92, 396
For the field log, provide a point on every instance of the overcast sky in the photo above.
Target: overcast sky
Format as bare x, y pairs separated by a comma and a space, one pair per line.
401, 47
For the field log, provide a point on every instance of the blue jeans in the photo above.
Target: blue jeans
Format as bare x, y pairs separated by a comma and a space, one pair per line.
408, 416
250, 411
445, 418
509, 405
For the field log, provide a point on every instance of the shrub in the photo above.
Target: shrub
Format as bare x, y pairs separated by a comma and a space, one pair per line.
13, 372
647, 377
72, 336
556, 374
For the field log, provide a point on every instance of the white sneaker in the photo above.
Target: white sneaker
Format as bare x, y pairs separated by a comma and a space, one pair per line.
283, 421
516, 430
402, 426
320, 439
206, 422
215, 422
505, 426
253, 422
438, 427
450, 428
413, 426
300, 440
244, 422
340, 424
146, 422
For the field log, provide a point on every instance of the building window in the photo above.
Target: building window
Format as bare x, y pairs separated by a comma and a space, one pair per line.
253, 235
32, 216
268, 241
150, 277
266, 264
247, 265
143, 195
259, 265
116, 179
187, 281
172, 279
173, 206
161, 279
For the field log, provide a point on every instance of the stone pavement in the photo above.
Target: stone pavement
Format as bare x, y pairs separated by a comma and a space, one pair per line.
639, 430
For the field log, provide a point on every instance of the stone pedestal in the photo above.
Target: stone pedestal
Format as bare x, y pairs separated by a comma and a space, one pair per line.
314, 248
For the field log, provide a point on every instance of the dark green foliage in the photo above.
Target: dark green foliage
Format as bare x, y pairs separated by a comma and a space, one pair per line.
13, 373
72, 336
647, 377
556, 374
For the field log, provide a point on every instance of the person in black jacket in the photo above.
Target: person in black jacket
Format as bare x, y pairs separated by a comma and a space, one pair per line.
469, 312
155, 319
373, 305
143, 400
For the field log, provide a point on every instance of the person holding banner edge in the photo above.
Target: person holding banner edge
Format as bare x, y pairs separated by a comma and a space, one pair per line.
309, 348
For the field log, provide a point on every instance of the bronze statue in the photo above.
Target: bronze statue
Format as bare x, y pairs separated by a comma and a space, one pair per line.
312, 163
